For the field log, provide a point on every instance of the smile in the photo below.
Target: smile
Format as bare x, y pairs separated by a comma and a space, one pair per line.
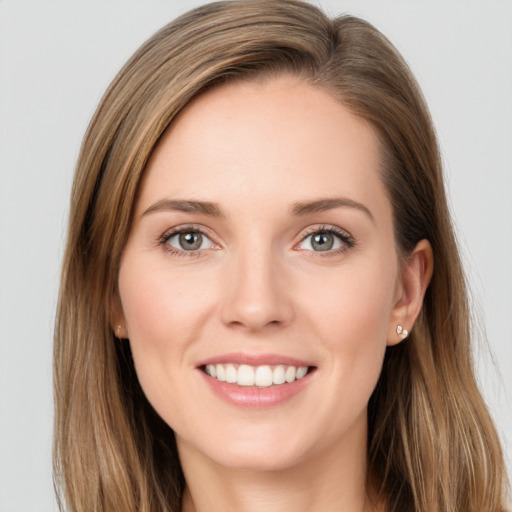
262, 376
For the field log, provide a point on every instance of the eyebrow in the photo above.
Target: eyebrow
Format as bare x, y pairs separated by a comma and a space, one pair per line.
322, 205
301, 208
178, 205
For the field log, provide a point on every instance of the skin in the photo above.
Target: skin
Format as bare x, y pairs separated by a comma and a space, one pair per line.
257, 286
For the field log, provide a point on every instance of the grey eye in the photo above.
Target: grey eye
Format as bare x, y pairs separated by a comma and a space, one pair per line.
321, 241
190, 241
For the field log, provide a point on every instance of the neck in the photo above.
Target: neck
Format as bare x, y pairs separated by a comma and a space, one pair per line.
332, 480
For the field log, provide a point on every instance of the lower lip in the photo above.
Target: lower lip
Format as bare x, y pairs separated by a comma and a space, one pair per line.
253, 397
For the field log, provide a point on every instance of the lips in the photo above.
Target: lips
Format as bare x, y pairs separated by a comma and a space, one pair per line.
256, 381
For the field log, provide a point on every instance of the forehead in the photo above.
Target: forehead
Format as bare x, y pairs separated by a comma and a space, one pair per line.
279, 138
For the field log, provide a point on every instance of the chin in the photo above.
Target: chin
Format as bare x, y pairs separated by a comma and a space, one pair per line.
258, 460
262, 452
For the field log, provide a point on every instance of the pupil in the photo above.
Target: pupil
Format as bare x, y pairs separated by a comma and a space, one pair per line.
322, 242
191, 241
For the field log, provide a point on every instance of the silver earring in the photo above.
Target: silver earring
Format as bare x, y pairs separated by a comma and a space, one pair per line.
403, 333
118, 331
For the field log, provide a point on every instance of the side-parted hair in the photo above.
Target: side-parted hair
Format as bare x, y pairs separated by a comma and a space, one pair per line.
432, 446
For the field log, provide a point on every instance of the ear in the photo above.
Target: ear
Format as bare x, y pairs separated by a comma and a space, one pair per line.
117, 318
413, 281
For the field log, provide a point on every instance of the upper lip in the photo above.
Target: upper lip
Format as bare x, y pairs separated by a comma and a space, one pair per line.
254, 360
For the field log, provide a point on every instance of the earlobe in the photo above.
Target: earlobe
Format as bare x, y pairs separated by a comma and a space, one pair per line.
117, 319
415, 277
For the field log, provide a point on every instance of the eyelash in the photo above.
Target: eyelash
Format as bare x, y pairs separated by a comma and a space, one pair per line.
346, 239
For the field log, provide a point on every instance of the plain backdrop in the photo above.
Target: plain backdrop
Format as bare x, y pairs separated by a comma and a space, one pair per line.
56, 59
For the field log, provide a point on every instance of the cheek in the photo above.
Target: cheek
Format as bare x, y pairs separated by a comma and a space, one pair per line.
351, 315
160, 305
163, 312
355, 300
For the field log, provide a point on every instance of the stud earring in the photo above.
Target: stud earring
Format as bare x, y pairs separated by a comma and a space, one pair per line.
118, 331
403, 333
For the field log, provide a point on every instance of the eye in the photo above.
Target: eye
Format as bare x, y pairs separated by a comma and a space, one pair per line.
189, 240
325, 240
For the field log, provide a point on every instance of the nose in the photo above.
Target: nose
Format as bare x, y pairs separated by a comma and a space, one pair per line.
256, 292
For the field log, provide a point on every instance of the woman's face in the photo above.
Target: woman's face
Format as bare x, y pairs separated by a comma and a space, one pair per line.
261, 249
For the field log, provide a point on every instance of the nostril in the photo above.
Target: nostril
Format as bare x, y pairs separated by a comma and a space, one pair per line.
255, 323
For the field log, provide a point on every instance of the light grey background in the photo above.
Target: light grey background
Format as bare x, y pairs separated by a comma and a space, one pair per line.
56, 59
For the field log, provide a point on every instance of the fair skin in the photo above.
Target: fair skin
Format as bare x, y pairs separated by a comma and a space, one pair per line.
284, 257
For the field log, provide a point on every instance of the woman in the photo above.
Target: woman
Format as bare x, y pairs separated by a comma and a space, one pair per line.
262, 303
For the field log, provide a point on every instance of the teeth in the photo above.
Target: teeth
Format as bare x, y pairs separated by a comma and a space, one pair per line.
221, 373
260, 376
279, 375
231, 373
263, 376
211, 370
290, 374
301, 372
245, 375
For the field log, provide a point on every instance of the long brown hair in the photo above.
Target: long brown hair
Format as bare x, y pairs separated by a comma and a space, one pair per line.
432, 446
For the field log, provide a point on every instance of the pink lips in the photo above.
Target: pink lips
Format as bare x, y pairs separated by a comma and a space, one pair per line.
253, 360
254, 397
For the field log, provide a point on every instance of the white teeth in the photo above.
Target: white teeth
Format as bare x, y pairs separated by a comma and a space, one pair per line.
261, 376
231, 373
221, 373
301, 372
245, 375
290, 374
279, 375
